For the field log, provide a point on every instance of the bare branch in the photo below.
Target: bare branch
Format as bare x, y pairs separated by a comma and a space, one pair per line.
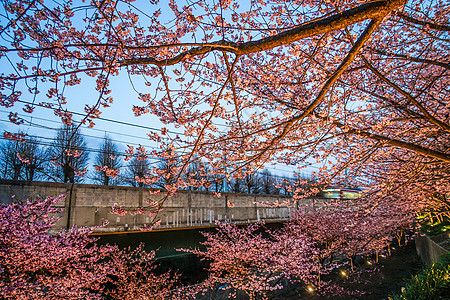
424, 23
445, 65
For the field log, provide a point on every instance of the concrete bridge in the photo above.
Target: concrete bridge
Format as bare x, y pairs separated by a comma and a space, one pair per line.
90, 205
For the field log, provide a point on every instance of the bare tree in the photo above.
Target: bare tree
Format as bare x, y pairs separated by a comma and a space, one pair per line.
252, 183
197, 176
267, 182
217, 182
137, 169
36, 160
23, 160
236, 185
107, 163
69, 154
165, 177
286, 183
10, 163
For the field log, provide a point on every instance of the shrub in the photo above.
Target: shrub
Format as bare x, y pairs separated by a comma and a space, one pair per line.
432, 282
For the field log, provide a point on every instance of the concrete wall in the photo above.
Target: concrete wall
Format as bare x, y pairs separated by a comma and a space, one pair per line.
90, 205
428, 248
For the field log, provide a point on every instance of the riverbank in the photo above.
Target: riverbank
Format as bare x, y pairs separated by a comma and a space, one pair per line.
379, 282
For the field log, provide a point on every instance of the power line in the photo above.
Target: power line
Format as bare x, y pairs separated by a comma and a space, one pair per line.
105, 119
115, 121
89, 128
94, 150
49, 143
32, 124
118, 122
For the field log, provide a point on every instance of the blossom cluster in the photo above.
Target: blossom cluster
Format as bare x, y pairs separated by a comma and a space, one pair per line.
69, 265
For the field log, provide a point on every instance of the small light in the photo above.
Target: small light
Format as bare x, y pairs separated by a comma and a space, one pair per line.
343, 273
393, 248
310, 289
369, 262
383, 256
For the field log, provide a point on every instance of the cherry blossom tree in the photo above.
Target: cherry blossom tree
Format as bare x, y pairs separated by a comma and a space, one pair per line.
363, 86
135, 276
359, 89
241, 259
69, 265
310, 248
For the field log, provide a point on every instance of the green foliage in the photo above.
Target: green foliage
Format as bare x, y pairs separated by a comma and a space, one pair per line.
432, 282
433, 226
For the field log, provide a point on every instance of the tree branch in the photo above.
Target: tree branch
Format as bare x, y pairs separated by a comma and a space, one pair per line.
445, 65
444, 126
444, 157
371, 10
289, 124
423, 23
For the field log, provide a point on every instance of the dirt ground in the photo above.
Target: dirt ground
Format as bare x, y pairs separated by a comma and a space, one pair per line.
388, 278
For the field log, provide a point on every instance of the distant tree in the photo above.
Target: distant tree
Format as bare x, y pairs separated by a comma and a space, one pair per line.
270, 184
107, 163
163, 173
217, 182
267, 182
137, 169
197, 176
193, 176
36, 160
279, 185
286, 183
207, 179
10, 163
236, 185
23, 160
252, 183
69, 153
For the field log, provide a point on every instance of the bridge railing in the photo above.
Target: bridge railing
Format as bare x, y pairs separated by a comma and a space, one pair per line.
90, 205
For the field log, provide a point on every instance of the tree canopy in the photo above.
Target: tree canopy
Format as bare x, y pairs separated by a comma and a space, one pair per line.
361, 88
